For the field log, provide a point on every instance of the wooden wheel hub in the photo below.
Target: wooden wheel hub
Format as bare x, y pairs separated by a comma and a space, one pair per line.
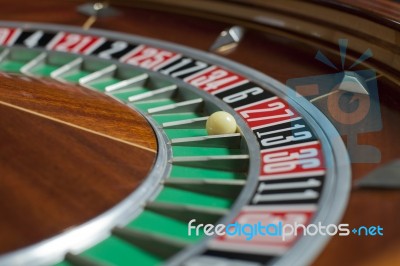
67, 155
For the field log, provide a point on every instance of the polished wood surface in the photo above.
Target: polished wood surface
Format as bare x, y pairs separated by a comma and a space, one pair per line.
67, 155
283, 56
78, 107
379, 9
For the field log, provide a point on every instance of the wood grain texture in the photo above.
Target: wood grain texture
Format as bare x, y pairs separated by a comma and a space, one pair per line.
78, 106
277, 54
378, 8
55, 176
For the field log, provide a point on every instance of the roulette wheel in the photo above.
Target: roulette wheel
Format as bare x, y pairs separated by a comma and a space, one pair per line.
105, 154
